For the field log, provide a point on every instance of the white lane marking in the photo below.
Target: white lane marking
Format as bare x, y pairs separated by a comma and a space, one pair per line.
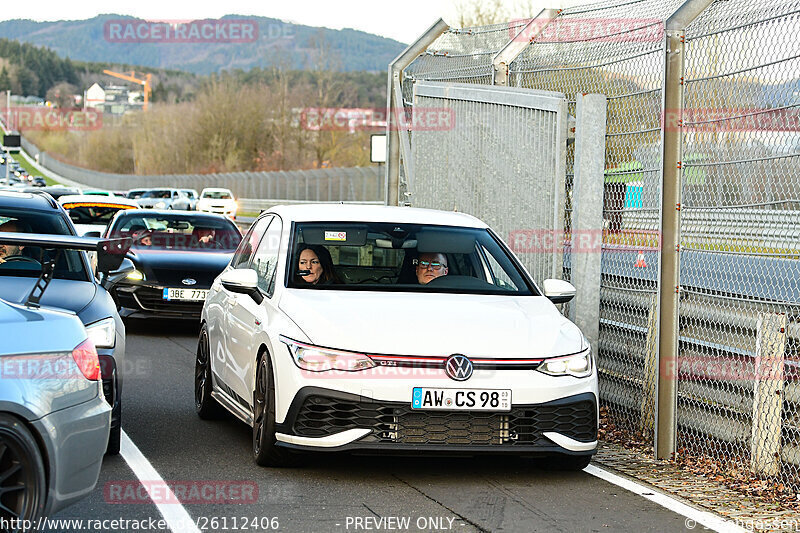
175, 515
693, 516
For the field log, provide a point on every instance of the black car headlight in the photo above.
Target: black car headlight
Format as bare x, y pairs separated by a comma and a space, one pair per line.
578, 365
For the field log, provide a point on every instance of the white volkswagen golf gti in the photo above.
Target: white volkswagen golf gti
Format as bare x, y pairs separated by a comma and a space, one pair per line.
393, 329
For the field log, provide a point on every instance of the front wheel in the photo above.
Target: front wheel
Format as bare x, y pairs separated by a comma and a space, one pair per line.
206, 407
266, 452
23, 490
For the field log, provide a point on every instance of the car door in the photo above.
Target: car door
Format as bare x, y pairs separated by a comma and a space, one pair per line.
222, 300
248, 319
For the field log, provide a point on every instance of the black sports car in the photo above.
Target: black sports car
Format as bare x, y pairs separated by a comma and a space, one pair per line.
177, 256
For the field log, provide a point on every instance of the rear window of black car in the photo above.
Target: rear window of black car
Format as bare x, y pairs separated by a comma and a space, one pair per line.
27, 261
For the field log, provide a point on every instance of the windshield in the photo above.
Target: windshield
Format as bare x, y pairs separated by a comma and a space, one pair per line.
217, 195
26, 261
157, 194
178, 232
402, 257
87, 213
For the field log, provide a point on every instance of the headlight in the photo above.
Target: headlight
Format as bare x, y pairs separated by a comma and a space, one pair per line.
578, 365
161, 205
136, 275
103, 333
316, 359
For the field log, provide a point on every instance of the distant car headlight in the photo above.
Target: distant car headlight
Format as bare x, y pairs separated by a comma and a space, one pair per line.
316, 359
578, 365
103, 333
136, 275
161, 205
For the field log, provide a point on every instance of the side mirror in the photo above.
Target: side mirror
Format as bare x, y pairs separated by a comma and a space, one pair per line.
558, 291
115, 276
242, 281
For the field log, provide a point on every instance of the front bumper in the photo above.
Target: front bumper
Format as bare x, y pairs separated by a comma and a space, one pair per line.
322, 419
75, 439
227, 211
146, 301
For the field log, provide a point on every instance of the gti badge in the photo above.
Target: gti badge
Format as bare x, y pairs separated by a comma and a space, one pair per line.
188, 281
458, 367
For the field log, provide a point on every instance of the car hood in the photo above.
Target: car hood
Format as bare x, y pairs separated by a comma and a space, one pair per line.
170, 268
64, 294
432, 324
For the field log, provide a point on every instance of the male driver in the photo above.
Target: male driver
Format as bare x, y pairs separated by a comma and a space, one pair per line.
9, 250
430, 266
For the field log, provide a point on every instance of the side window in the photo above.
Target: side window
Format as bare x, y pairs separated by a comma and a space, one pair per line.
265, 259
499, 276
244, 253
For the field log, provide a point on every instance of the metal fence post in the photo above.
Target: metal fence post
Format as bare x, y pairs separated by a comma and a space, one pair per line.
765, 443
518, 43
669, 258
587, 222
394, 101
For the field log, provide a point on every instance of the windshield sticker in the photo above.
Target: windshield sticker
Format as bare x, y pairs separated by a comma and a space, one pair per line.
335, 235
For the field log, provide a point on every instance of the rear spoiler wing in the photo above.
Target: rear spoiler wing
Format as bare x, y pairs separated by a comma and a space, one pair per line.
110, 253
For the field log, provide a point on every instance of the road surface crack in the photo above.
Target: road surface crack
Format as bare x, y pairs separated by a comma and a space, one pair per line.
440, 504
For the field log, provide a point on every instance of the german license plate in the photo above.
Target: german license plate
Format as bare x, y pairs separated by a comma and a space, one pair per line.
461, 399
193, 295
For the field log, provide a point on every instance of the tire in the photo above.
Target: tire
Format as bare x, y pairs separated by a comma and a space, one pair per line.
266, 452
572, 462
206, 407
116, 433
23, 494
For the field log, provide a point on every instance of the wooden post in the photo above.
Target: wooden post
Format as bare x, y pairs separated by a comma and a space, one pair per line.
765, 444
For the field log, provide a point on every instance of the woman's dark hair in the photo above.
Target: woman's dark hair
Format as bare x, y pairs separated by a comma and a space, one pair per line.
326, 262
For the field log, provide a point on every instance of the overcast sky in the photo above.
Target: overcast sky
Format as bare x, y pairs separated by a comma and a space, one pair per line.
403, 20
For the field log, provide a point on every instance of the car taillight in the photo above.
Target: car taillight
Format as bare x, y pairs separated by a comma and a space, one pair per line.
85, 356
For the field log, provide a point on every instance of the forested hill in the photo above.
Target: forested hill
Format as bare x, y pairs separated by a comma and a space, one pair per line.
278, 43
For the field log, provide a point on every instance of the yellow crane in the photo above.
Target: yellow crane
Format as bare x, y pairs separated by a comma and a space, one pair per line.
131, 77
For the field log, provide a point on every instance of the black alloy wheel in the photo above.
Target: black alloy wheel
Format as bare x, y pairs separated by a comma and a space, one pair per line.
207, 407
266, 452
23, 490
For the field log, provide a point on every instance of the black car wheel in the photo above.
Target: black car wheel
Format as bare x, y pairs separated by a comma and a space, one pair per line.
572, 462
207, 407
22, 483
115, 435
265, 449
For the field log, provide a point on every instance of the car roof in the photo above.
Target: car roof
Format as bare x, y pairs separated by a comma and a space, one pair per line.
374, 213
97, 200
35, 200
216, 189
173, 212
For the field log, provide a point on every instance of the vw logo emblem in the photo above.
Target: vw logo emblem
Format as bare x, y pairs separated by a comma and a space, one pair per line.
458, 367
188, 281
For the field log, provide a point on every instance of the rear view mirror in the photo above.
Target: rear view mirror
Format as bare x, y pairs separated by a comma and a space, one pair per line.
558, 291
242, 281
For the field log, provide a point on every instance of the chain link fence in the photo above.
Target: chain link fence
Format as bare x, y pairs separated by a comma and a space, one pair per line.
739, 260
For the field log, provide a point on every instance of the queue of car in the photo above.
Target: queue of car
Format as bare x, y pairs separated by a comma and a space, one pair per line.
296, 315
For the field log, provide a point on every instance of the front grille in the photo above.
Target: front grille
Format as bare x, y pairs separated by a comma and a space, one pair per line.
321, 416
151, 299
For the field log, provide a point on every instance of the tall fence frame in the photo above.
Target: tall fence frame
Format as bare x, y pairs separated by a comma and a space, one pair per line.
699, 329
